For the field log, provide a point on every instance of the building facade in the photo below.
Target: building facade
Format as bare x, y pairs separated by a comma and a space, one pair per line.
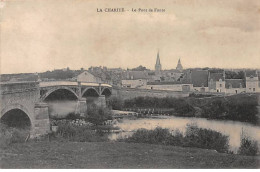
252, 82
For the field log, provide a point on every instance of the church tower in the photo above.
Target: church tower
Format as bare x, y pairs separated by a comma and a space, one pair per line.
158, 66
179, 66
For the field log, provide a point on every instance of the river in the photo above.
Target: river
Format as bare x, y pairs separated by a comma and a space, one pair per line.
230, 128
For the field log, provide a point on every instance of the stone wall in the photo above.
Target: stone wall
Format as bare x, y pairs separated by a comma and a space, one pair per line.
25, 96
21, 96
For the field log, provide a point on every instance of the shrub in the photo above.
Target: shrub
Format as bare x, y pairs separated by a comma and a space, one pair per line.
73, 116
206, 138
116, 103
180, 105
19, 136
97, 115
247, 146
156, 136
12, 135
71, 132
195, 137
238, 107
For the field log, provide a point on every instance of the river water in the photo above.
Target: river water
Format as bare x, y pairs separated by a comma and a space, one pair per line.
230, 128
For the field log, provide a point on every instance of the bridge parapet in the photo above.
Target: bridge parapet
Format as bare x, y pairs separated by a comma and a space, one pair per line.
17, 87
71, 83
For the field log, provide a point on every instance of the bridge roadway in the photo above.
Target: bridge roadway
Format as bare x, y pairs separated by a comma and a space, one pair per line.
28, 98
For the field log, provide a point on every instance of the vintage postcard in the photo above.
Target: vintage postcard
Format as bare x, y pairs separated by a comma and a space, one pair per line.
129, 84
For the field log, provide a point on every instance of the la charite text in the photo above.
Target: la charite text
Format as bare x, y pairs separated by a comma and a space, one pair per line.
132, 10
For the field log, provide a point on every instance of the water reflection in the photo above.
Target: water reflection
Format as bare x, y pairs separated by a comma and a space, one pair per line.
229, 128
61, 108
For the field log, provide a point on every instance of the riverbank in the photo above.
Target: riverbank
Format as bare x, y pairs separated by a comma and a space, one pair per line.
240, 107
117, 155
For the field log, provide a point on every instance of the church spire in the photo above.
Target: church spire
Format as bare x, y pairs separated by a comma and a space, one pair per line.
158, 66
158, 59
179, 66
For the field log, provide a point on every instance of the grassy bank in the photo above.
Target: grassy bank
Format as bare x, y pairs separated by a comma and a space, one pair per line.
117, 155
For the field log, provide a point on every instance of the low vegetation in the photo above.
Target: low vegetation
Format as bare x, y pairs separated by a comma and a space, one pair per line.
248, 146
194, 137
68, 131
12, 135
116, 103
238, 107
170, 105
98, 115
86, 128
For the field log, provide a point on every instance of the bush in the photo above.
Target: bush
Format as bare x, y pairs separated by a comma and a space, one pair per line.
195, 137
116, 103
239, 108
73, 116
12, 135
97, 115
71, 132
156, 136
248, 147
206, 138
180, 105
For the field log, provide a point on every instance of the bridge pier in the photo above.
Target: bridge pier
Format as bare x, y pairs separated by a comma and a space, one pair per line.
42, 120
101, 101
81, 106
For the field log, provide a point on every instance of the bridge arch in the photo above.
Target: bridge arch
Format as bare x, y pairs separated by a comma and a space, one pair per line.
16, 115
92, 92
44, 96
106, 92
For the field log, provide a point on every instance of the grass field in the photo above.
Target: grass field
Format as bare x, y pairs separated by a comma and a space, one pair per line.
117, 155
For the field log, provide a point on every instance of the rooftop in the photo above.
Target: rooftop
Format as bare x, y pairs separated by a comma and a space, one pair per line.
235, 83
216, 76
199, 78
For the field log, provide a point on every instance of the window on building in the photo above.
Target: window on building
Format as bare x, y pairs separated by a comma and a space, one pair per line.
220, 85
253, 89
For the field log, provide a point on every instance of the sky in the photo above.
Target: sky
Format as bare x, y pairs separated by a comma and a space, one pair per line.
41, 35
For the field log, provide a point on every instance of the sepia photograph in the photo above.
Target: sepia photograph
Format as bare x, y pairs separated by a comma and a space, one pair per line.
129, 84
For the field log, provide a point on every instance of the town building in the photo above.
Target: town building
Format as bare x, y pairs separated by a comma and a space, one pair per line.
234, 86
252, 81
88, 77
135, 79
192, 80
199, 80
217, 82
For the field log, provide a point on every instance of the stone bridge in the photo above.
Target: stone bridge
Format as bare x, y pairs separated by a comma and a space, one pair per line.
24, 101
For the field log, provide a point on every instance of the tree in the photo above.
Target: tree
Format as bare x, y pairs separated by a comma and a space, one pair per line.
98, 115
139, 68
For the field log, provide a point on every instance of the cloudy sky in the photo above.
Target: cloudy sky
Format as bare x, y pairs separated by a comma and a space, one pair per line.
50, 34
